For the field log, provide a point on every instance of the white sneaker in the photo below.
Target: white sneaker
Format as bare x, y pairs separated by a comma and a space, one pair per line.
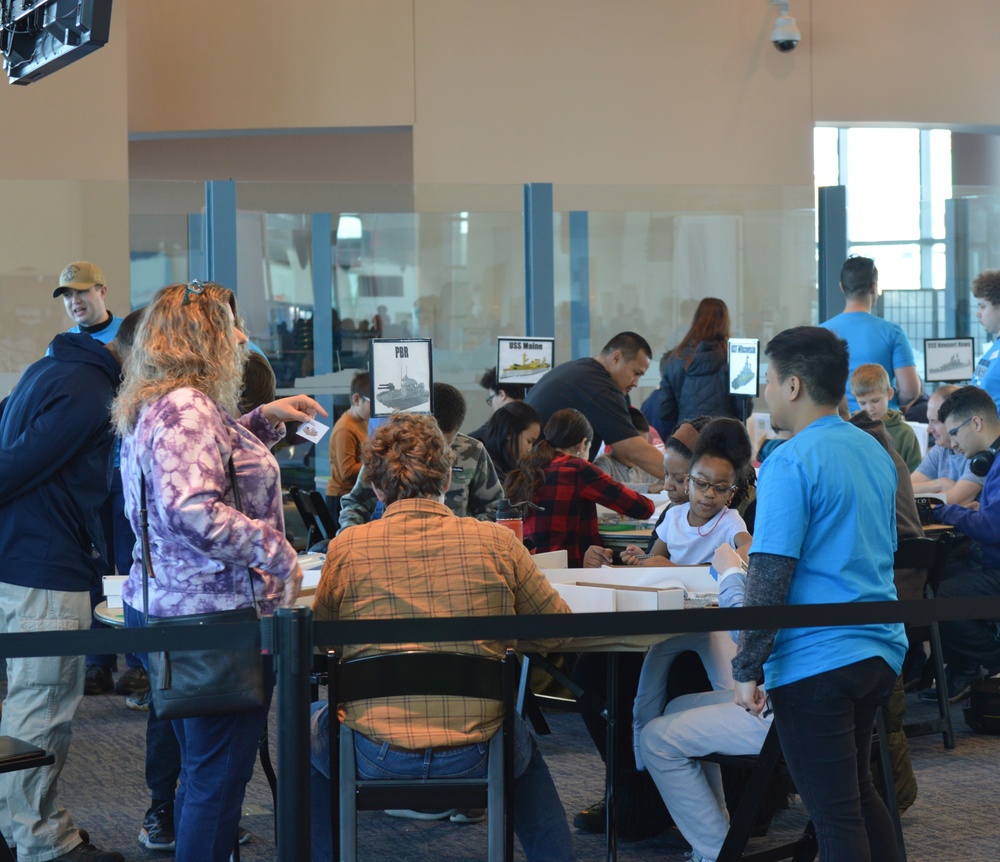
411, 814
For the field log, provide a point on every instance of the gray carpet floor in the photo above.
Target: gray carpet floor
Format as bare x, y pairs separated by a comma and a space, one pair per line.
953, 820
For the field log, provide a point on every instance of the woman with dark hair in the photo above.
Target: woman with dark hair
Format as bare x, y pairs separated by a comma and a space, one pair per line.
510, 435
557, 477
696, 372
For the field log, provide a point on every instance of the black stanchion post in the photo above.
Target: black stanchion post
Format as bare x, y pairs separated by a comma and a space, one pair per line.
292, 648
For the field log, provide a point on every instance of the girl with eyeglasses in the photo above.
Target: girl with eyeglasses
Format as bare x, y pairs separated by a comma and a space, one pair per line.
691, 531
688, 536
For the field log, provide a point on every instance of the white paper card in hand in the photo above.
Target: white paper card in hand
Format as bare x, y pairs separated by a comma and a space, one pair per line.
313, 431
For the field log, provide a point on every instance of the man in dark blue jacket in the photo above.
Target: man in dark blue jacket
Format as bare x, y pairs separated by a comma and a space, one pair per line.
970, 417
55, 471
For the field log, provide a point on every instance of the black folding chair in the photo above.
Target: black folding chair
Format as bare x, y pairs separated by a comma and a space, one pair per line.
931, 557
415, 674
315, 515
16, 755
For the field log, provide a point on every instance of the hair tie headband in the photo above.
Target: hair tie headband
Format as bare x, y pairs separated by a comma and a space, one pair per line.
687, 434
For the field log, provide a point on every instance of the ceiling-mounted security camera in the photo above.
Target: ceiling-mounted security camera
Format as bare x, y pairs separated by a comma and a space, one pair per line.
785, 34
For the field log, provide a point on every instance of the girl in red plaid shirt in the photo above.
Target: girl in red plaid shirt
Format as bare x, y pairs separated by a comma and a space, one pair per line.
558, 477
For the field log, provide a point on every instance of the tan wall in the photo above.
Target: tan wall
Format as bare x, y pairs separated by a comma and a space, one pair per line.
913, 62
255, 64
64, 192
637, 91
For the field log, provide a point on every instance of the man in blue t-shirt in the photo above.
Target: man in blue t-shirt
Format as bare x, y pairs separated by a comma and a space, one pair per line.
986, 290
869, 338
969, 646
825, 533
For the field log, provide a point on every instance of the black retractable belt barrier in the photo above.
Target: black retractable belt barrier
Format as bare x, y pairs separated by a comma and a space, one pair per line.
289, 636
99, 641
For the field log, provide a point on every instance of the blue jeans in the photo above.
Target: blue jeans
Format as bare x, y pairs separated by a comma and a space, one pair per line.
825, 726
539, 817
969, 643
217, 758
163, 754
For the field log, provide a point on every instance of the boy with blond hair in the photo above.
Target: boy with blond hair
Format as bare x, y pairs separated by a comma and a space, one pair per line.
870, 388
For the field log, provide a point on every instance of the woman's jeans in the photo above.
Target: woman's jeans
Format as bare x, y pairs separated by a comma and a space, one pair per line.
163, 754
217, 758
825, 726
539, 817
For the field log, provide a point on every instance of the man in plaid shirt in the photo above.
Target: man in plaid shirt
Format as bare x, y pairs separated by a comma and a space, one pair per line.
420, 560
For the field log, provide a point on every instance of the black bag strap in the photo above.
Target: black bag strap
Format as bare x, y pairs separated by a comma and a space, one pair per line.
147, 560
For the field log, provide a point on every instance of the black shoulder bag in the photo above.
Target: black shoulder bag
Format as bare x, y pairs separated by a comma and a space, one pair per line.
188, 683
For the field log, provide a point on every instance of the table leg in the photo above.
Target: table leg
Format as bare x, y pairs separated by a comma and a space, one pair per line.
611, 756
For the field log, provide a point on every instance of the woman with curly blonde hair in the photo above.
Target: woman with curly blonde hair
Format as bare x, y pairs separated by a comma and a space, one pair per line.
176, 414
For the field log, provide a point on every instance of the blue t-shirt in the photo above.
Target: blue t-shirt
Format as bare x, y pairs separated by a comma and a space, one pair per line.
871, 339
827, 498
106, 335
943, 463
987, 374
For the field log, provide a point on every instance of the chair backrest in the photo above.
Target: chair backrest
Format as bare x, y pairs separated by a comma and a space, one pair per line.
322, 514
927, 555
422, 673
305, 508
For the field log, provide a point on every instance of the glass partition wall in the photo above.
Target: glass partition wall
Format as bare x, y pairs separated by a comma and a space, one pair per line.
321, 267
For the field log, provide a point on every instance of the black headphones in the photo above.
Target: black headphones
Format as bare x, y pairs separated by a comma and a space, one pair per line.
981, 462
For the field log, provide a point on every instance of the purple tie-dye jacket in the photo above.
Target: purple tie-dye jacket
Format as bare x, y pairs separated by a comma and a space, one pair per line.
199, 543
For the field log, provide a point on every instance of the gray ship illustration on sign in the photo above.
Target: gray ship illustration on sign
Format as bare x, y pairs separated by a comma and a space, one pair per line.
950, 365
409, 393
744, 377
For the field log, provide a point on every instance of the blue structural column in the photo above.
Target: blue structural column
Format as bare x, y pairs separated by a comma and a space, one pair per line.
322, 264
958, 274
220, 246
832, 248
539, 272
196, 247
579, 285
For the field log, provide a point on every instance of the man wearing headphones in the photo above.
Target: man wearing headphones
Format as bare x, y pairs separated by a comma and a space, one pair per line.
970, 646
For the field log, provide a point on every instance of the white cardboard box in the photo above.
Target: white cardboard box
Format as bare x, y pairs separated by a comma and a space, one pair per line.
113, 589
608, 590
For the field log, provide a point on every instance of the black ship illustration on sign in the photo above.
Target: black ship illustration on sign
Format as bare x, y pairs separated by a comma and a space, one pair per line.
950, 365
744, 377
410, 393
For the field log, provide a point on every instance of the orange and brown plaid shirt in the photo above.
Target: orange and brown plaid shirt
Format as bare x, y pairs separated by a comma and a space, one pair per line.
420, 560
